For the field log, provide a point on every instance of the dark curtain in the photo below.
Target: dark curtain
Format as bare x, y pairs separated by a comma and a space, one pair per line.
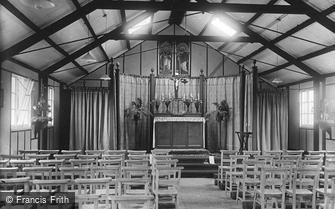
90, 119
272, 117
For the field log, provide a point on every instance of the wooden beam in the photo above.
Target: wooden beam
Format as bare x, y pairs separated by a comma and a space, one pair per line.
314, 14
89, 26
92, 45
302, 58
287, 34
274, 48
203, 7
254, 107
251, 20
34, 27
31, 68
124, 21
317, 114
45, 32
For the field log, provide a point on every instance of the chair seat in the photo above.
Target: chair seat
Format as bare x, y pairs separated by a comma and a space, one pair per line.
270, 192
305, 181
170, 191
300, 192
322, 191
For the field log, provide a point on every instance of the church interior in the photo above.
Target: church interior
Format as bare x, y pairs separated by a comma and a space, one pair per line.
160, 104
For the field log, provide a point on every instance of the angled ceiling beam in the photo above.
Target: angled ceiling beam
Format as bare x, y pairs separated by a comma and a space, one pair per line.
31, 68
176, 17
203, 30
203, 7
47, 31
94, 44
124, 21
251, 20
276, 49
302, 58
34, 27
89, 26
287, 34
314, 14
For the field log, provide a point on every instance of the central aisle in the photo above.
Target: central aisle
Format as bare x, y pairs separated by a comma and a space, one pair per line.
201, 193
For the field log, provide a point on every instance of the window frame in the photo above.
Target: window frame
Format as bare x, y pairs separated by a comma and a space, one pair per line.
308, 105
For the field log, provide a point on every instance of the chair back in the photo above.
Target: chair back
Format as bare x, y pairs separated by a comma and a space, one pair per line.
15, 185
10, 172
136, 152
75, 152
51, 186
38, 172
113, 171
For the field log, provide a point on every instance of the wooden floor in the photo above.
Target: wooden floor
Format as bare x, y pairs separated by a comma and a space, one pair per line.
201, 193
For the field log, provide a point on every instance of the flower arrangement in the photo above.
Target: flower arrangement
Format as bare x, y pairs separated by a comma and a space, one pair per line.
156, 103
197, 103
136, 110
222, 111
167, 101
187, 102
40, 119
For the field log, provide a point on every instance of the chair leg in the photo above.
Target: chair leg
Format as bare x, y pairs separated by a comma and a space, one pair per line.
156, 201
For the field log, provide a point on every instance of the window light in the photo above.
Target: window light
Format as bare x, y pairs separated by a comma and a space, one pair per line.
140, 25
224, 27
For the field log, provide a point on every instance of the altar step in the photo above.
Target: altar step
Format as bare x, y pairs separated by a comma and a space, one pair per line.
195, 163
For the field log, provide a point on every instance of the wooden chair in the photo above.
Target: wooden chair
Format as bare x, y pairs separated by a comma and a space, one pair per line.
132, 202
89, 157
133, 186
313, 157
105, 162
251, 153
113, 172
37, 156
6, 173
136, 152
73, 152
65, 157
235, 171
273, 152
144, 163
266, 159
25, 152
96, 186
251, 178
116, 152
272, 188
224, 166
135, 172
305, 183
11, 157
51, 186
329, 173
329, 200
50, 152
166, 184
22, 163
71, 174
86, 163
4, 163
42, 173
139, 157
54, 163
320, 152
160, 151
14, 185
294, 152
95, 152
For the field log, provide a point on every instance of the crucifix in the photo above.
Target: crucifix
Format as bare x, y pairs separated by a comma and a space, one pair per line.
176, 85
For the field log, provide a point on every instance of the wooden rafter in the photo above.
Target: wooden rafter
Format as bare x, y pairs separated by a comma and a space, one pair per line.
124, 21
34, 27
90, 28
251, 20
276, 49
287, 34
47, 31
203, 7
302, 58
90, 46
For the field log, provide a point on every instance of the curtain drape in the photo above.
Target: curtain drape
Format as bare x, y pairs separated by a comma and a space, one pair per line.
218, 89
90, 119
272, 120
132, 87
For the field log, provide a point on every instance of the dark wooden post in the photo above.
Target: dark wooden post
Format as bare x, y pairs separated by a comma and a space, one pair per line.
254, 106
318, 98
43, 94
322, 100
242, 100
117, 102
152, 84
202, 92
112, 101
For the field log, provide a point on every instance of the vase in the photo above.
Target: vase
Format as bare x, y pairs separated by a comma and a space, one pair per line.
167, 105
157, 106
188, 107
197, 106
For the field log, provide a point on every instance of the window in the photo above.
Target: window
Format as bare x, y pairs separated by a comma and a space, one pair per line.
306, 108
51, 97
21, 102
140, 25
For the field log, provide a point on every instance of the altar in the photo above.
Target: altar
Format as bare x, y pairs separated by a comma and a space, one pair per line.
179, 132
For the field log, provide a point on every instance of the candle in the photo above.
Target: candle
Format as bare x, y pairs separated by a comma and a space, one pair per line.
198, 97
184, 96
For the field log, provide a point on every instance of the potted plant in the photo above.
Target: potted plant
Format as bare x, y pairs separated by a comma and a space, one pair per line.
40, 117
136, 112
222, 114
